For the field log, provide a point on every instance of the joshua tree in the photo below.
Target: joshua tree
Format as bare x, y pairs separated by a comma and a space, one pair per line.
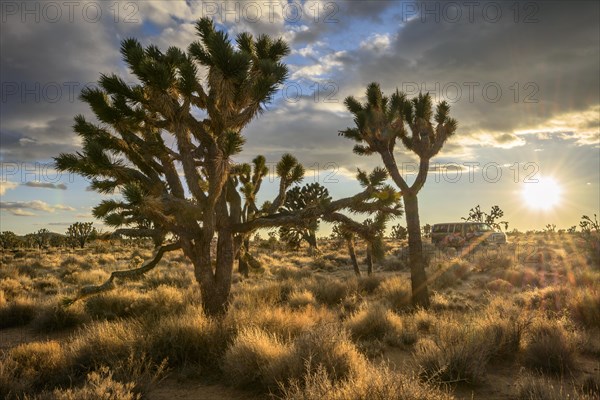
8, 240
41, 238
297, 199
340, 233
379, 123
399, 232
79, 233
171, 138
476, 215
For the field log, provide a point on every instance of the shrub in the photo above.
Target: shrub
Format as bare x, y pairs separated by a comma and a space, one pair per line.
329, 347
396, 292
374, 322
550, 347
531, 387
104, 343
17, 312
115, 304
329, 291
298, 299
584, 306
499, 285
458, 352
100, 385
32, 367
257, 357
374, 383
54, 317
493, 259
192, 341
369, 284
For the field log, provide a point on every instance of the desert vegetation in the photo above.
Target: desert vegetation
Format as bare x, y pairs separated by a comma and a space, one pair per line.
357, 315
519, 321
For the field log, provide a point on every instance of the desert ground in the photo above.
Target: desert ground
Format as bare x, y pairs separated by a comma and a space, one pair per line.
520, 321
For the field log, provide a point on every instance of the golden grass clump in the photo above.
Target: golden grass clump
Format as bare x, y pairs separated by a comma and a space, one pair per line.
33, 367
373, 383
301, 298
584, 306
191, 340
550, 347
375, 322
99, 385
457, 352
257, 357
17, 312
396, 292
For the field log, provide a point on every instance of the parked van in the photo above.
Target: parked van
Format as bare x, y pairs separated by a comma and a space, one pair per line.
457, 234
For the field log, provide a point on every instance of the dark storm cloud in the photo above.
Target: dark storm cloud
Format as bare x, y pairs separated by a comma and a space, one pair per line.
542, 69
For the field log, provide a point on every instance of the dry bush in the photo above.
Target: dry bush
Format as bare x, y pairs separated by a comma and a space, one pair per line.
552, 299
503, 327
299, 299
532, 387
493, 259
164, 300
396, 292
459, 351
259, 358
191, 340
550, 347
104, 343
12, 287
330, 291
176, 276
32, 367
423, 320
373, 383
53, 316
329, 347
294, 273
48, 285
375, 322
520, 277
281, 321
369, 284
448, 274
115, 304
17, 312
87, 277
99, 385
499, 285
584, 305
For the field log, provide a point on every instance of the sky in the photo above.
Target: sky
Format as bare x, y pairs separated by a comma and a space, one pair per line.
522, 79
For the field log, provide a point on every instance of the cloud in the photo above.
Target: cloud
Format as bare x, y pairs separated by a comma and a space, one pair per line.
60, 186
6, 186
18, 207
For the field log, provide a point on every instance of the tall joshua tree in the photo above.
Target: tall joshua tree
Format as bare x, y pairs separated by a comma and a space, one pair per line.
170, 140
79, 233
379, 123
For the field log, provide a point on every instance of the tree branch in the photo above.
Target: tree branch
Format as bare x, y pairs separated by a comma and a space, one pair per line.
125, 274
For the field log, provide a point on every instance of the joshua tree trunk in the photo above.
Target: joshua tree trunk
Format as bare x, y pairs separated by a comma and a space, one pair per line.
369, 260
214, 286
312, 241
350, 243
420, 295
243, 267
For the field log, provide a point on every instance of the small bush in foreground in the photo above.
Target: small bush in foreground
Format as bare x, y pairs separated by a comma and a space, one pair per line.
257, 357
17, 312
396, 291
550, 347
372, 384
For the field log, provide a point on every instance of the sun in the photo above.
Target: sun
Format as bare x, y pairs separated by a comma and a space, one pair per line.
543, 194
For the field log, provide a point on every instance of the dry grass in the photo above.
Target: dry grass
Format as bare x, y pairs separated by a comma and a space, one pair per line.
550, 347
396, 292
